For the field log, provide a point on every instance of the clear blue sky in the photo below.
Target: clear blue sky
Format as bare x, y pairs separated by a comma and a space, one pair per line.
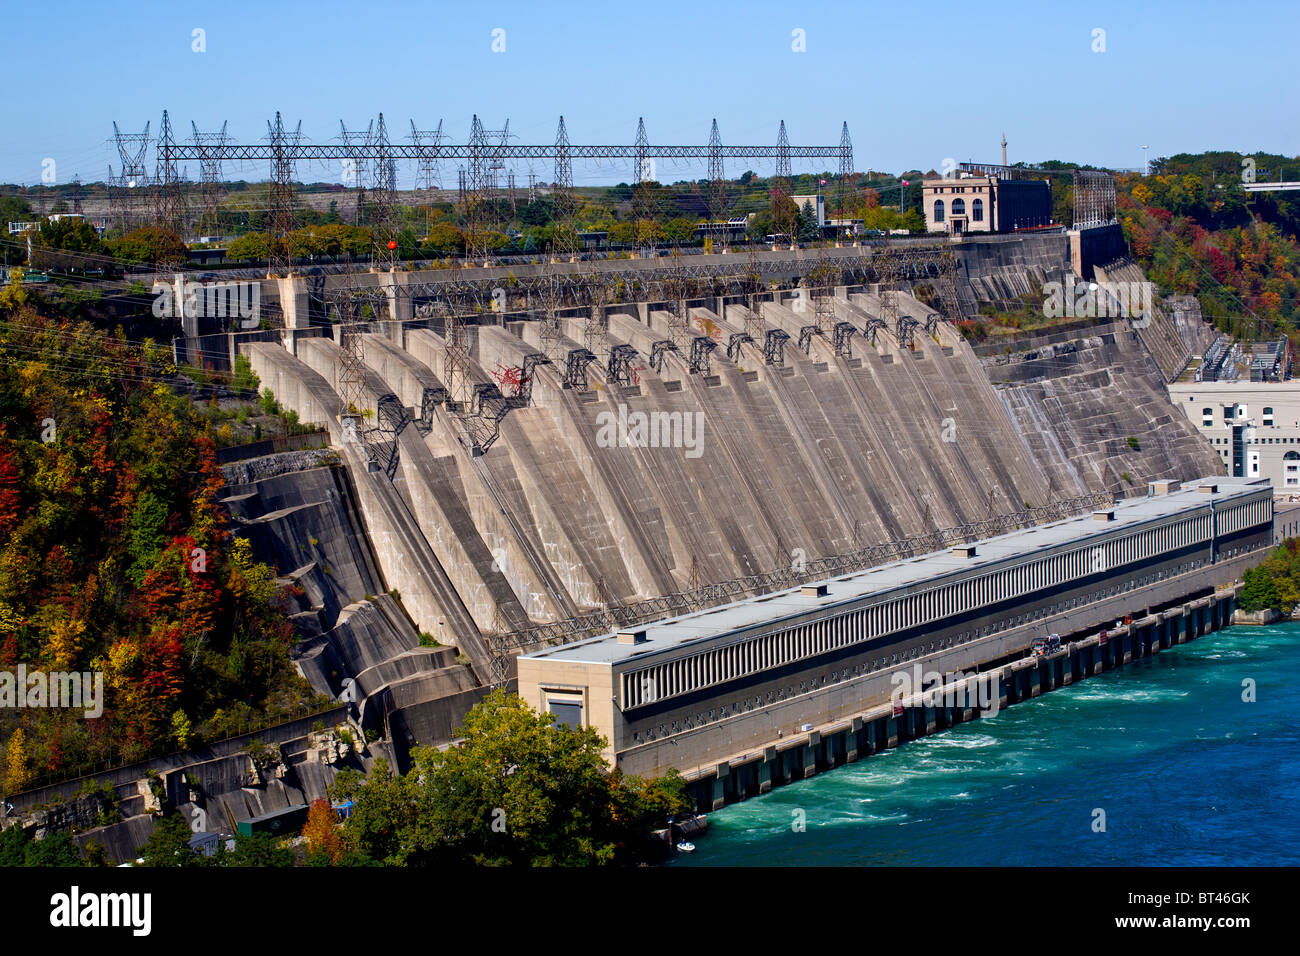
917, 82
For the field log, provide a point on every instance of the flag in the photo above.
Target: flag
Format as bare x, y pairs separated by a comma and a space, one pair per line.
821, 182
906, 183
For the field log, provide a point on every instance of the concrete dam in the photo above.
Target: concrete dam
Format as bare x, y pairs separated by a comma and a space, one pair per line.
675, 459
660, 470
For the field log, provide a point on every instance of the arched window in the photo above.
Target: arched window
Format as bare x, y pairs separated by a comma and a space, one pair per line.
938, 210
1291, 468
959, 207
1268, 415
977, 210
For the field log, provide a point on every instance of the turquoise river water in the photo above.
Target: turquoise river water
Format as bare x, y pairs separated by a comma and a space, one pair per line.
1186, 772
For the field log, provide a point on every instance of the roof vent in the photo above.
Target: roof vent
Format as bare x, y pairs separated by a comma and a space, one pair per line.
814, 590
1208, 489
631, 637
964, 550
1163, 486
1104, 515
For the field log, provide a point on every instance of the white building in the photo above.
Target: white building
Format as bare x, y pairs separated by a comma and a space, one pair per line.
1254, 426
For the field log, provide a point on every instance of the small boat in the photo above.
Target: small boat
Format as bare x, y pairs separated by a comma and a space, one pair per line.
686, 846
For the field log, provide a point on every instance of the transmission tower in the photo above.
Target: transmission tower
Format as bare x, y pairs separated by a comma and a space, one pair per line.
498, 170
358, 142
210, 190
168, 210
127, 189
383, 191
565, 241
846, 172
476, 213
785, 214
430, 174
283, 144
642, 203
717, 198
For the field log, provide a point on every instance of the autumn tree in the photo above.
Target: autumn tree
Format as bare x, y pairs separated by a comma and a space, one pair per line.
323, 834
17, 771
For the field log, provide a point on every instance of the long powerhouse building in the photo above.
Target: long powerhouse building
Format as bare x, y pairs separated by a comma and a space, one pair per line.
690, 689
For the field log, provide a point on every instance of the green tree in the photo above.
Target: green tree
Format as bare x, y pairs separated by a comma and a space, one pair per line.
73, 235
383, 811
444, 237
260, 849
14, 842
169, 844
1260, 591
519, 790
806, 229
149, 244
56, 849
254, 246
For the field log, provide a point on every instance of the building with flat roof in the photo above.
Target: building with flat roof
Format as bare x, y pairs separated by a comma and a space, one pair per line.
1254, 427
694, 688
985, 204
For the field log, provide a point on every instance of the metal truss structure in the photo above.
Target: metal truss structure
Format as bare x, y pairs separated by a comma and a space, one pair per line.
485, 155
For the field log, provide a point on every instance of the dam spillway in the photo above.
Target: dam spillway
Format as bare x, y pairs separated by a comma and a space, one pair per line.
548, 509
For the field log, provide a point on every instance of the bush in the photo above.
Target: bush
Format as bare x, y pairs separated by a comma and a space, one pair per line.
244, 378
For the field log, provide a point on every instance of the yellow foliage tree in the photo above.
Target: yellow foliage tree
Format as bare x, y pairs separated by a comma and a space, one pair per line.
17, 775
64, 643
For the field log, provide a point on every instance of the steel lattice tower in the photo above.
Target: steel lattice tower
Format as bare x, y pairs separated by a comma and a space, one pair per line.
168, 211
430, 174
783, 187
846, 172
126, 189
211, 190
360, 142
642, 206
281, 194
565, 238
476, 215
382, 190
717, 198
